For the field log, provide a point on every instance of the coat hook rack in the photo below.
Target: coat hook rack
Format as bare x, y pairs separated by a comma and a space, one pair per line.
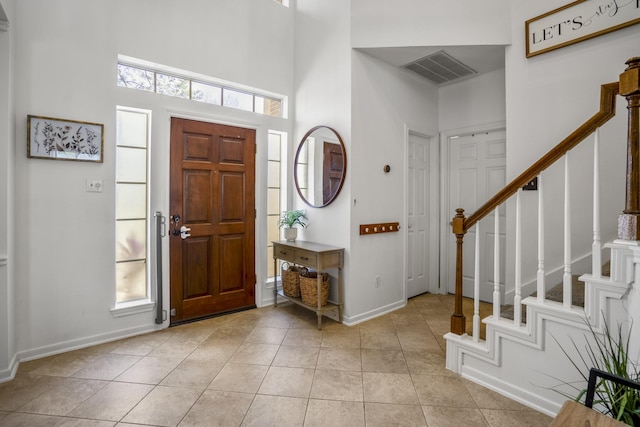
384, 227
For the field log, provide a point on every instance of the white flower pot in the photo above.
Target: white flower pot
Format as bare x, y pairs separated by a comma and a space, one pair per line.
290, 234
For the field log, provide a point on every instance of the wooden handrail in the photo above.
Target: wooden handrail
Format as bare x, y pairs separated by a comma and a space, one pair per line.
608, 94
460, 224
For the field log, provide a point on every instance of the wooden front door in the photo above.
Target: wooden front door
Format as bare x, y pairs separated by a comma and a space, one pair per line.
212, 219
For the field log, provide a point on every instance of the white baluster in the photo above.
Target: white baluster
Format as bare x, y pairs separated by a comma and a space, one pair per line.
496, 264
476, 289
566, 277
517, 307
541, 289
596, 247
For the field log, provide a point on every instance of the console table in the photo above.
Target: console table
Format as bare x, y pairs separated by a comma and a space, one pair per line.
311, 255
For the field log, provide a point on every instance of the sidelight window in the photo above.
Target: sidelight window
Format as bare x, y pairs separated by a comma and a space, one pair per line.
275, 196
132, 190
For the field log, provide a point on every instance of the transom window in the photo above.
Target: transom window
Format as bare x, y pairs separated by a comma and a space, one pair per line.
197, 89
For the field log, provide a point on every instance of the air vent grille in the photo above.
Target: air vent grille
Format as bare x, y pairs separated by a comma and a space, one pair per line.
440, 67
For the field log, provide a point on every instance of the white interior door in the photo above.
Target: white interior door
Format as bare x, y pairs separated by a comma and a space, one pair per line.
418, 209
477, 172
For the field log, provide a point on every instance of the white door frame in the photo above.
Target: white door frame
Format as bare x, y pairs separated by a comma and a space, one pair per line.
445, 229
434, 217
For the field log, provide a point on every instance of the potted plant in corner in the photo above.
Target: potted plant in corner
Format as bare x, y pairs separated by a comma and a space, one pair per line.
288, 219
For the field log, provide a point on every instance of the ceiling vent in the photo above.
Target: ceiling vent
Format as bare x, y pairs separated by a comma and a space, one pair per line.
440, 67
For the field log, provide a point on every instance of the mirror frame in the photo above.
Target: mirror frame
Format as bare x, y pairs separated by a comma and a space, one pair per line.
344, 169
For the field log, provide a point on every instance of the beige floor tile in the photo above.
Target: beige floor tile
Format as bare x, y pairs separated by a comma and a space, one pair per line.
276, 318
488, 399
384, 361
502, 418
140, 345
389, 388
337, 385
418, 341
206, 412
164, 406
379, 339
232, 331
107, 367
266, 335
439, 390
322, 413
340, 337
303, 337
66, 364
296, 357
23, 389
17, 419
149, 370
254, 354
290, 382
193, 373
216, 350
441, 416
427, 362
275, 411
82, 422
112, 402
342, 359
390, 415
239, 378
176, 348
65, 396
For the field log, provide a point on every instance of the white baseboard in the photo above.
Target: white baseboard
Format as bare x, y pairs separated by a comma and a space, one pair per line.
65, 346
372, 314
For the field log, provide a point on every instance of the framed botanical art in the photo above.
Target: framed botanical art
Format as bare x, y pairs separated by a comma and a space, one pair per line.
60, 139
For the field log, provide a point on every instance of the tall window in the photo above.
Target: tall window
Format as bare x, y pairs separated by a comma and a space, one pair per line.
132, 146
275, 202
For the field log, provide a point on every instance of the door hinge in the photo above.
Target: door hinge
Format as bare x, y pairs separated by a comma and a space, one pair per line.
172, 312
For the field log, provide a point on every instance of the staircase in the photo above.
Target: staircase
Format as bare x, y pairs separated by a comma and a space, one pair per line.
522, 355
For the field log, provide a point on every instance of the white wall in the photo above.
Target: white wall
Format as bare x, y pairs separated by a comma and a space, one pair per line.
375, 23
548, 97
472, 102
7, 153
67, 69
387, 101
323, 97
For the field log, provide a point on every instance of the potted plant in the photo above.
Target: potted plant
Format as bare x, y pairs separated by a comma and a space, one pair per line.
608, 351
288, 219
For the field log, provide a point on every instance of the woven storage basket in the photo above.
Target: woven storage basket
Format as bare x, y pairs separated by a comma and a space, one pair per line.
290, 280
309, 288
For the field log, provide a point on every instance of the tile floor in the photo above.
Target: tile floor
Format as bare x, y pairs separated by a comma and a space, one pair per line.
264, 367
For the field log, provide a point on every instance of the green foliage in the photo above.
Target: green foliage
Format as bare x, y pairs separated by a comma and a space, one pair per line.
608, 352
290, 218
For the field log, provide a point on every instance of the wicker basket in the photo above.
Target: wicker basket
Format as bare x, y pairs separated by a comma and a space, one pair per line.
290, 280
309, 288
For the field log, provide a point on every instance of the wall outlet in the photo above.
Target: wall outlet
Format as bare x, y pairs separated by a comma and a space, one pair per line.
94, 185
377, 281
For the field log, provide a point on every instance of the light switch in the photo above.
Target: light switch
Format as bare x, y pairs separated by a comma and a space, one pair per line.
94, 185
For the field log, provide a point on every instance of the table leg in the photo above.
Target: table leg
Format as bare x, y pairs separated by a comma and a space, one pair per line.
275, 282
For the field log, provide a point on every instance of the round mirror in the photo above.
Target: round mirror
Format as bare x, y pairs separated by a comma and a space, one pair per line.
320, 166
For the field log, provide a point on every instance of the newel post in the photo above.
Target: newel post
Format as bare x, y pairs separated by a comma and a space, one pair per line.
628, 221
458, 321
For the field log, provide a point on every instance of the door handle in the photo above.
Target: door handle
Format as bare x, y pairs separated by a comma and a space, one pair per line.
184, 232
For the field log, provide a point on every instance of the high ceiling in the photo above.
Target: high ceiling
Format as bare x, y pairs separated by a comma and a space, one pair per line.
481, 59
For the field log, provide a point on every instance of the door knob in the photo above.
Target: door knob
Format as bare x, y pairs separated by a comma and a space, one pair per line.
184, 232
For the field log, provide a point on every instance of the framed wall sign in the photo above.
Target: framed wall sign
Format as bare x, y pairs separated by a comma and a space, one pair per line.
578, 21
60, 139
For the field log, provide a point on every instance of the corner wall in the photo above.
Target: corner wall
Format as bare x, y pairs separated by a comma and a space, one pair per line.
7, 193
